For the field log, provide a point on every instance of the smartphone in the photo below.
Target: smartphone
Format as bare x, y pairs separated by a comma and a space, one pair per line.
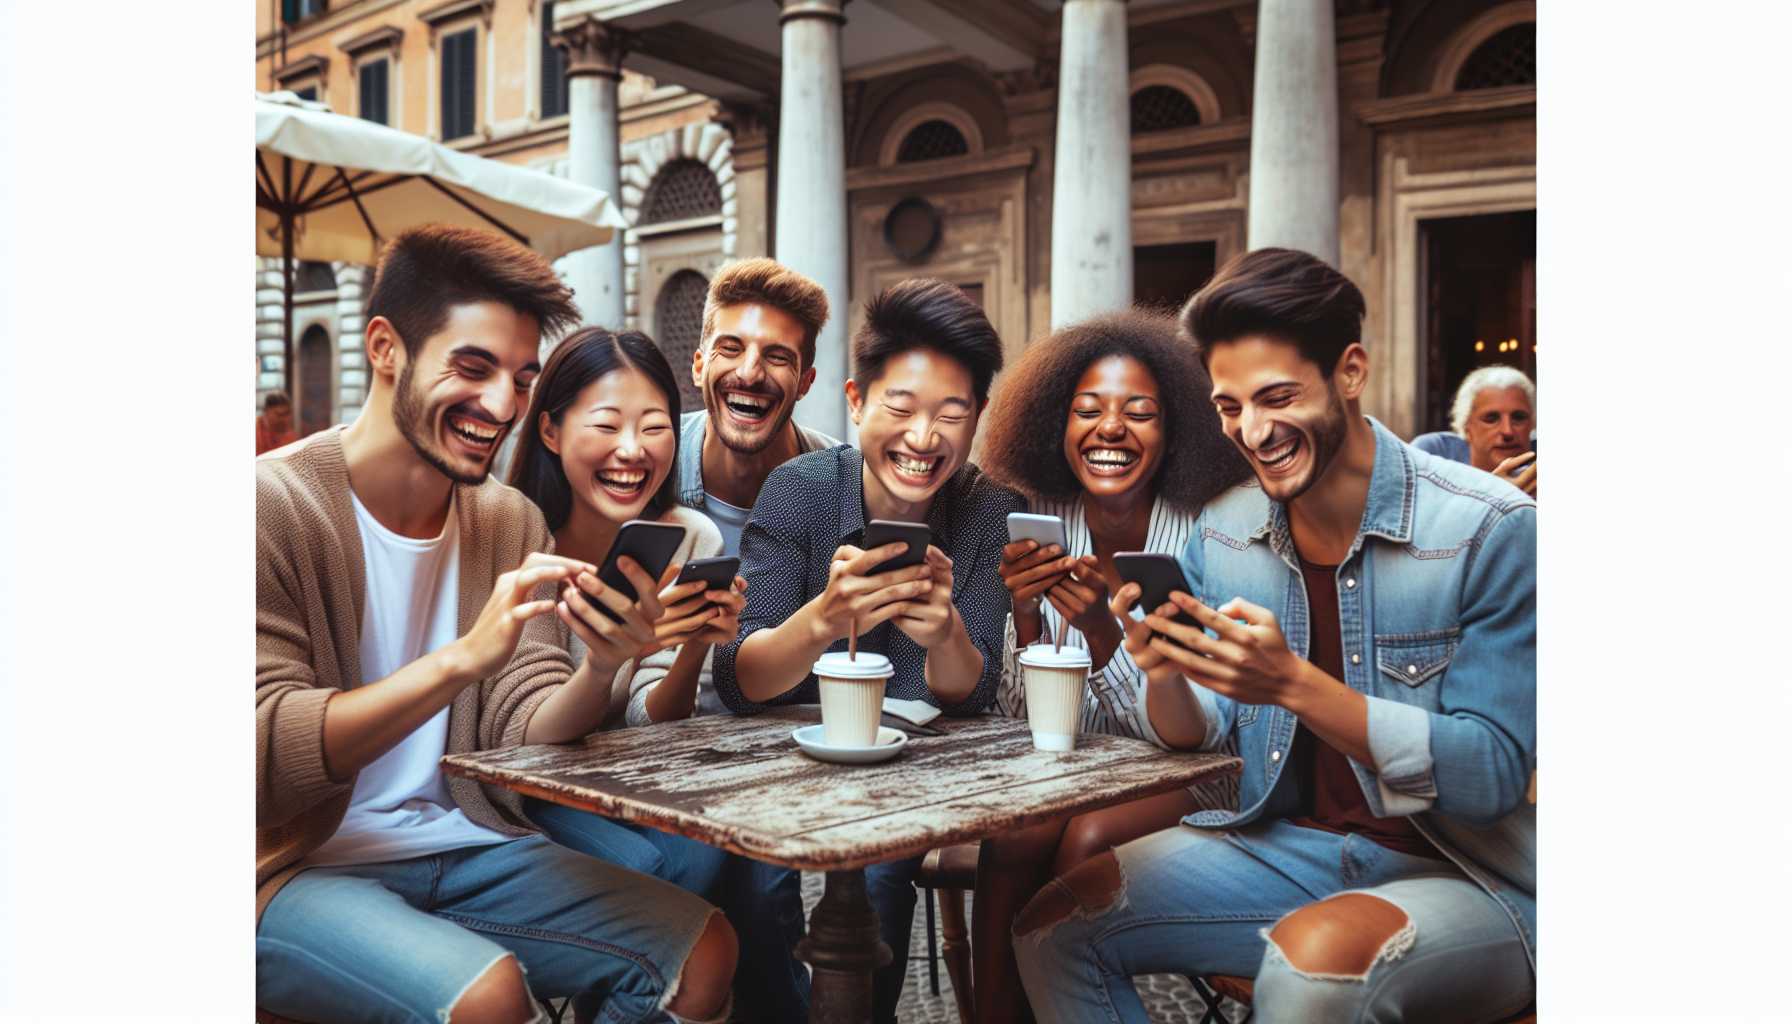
716, 573
1047, 530
879, 532
651, 545
1156, 576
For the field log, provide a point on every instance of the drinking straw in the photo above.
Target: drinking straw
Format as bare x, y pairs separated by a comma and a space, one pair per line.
1063, 631
852, 640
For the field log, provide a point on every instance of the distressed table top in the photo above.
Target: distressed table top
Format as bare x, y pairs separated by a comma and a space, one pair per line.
741, 783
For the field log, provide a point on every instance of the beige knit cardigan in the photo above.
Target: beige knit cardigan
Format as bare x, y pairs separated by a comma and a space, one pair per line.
310, 587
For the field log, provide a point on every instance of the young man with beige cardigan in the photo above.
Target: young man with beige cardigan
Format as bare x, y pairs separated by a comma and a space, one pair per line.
401, 612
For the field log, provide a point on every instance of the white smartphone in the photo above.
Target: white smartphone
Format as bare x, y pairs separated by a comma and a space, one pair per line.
1047, 530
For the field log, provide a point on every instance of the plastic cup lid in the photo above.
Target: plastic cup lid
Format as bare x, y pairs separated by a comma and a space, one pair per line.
1042, 656
836, 665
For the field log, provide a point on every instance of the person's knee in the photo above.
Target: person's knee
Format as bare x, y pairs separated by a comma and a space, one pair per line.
498, 996
1085, 838
1342, 937
1091, 888
708, 973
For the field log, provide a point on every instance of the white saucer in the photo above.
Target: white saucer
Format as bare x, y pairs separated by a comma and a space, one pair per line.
889, 742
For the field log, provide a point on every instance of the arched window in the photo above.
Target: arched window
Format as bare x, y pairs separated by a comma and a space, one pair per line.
1508, 57
678, 328
1160, 108
682, 189
932, 140
313, 276
314, 398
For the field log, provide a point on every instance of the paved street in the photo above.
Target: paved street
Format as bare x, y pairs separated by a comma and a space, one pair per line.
1170, 999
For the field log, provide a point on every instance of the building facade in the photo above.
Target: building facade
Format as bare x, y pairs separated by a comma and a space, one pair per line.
1055, 158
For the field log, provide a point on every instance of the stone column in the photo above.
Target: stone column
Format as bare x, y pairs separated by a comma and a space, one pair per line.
1294, 129
1092, 175
810, 221
750, 127
594, 151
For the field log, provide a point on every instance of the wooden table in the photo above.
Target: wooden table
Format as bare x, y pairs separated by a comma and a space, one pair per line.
741, 783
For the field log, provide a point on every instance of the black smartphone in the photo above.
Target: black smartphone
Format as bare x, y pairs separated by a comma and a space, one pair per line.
651, 545
1156, 576
879, 532
716, 573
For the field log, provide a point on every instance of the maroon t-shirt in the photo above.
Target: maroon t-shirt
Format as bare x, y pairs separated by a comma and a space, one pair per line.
1331, 799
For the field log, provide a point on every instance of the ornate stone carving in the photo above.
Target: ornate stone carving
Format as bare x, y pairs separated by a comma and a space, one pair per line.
592, 48
1039, 78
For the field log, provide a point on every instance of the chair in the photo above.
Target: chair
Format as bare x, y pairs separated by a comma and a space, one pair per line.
952, 871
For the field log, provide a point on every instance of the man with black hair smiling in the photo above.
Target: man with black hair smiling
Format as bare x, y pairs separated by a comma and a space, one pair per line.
925, 358
1367, 639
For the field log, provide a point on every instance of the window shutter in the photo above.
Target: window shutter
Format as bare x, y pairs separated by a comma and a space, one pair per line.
553, 68
374, 103
289, 11
459, 80
447, 91
468, 77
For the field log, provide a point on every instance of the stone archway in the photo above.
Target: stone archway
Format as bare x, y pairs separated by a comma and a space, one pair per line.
707, 143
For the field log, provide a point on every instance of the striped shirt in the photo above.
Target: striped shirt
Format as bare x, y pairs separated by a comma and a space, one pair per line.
1114, 700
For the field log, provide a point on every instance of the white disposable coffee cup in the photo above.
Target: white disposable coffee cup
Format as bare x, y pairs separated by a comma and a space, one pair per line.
852, 697
1054, 681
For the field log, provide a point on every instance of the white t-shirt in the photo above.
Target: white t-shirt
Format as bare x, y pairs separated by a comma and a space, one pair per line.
731, 521
400, 807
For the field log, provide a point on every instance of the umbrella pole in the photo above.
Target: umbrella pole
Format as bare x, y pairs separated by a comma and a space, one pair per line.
286, 225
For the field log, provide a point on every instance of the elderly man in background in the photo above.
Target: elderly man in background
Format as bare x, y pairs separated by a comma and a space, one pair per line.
1491, 423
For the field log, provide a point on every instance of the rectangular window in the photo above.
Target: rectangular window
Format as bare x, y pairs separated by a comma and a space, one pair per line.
373, 91
553, 67
459, 78
307, 93
295, 11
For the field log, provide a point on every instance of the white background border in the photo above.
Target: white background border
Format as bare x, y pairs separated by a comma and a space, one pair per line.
126, 514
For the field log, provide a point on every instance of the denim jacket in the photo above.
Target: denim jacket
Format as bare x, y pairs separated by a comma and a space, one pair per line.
1437, 600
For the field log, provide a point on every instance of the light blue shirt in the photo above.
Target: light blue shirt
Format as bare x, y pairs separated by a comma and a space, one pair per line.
728, 519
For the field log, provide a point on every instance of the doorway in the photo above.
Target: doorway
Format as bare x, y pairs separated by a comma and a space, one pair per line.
1480, 303
1164, 276
313, 399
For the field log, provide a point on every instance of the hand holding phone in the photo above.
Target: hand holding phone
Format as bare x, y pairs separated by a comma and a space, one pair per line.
1521, 470
650, 544
1035, 559
1157, 575
703, 604
917, 536
869, 585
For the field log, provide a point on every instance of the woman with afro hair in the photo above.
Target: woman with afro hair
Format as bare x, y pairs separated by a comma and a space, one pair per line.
1109, 425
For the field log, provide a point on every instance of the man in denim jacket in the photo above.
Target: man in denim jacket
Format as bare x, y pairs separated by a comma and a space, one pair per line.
1367, 639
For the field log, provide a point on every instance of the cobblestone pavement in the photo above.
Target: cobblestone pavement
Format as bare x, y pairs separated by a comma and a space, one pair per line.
1168, 998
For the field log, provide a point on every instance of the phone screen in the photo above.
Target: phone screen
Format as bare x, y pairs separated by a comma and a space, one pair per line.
1157, 575
650, 544
717, 573
879, 532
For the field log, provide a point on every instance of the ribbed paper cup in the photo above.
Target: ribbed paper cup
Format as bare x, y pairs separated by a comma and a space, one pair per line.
852, 697
1054, 683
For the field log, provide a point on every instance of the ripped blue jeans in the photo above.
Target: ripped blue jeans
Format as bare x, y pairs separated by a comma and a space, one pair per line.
399, 942
1198, 901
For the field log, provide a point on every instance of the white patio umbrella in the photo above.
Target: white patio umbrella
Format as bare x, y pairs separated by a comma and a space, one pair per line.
333, 187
